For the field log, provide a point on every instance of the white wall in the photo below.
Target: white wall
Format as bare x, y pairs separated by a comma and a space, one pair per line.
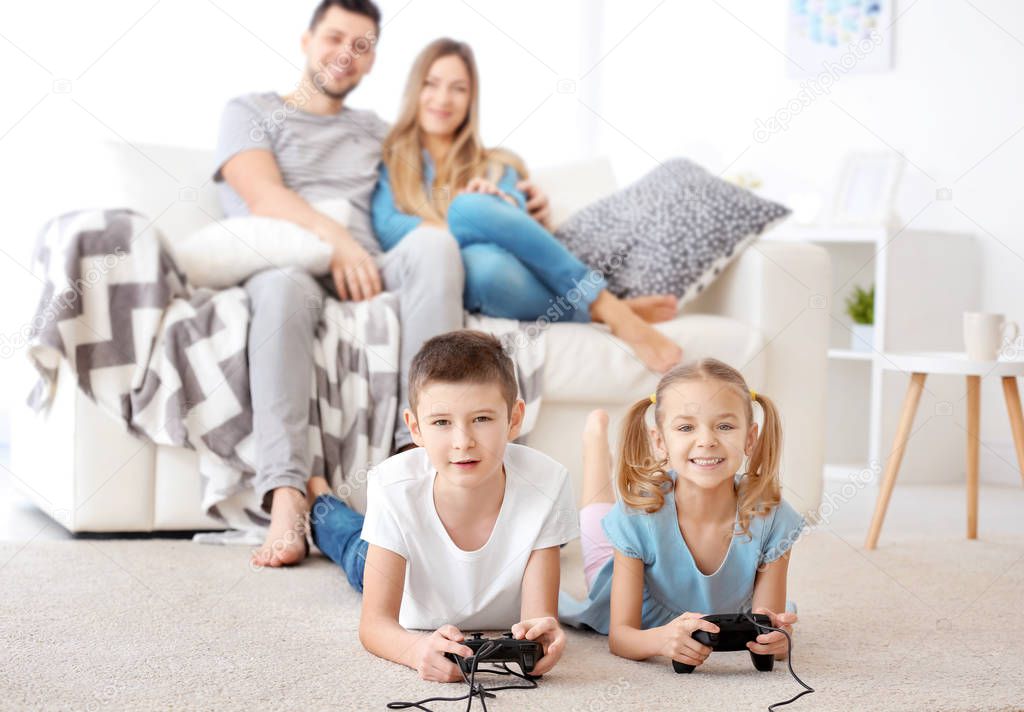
678, 77
694, 78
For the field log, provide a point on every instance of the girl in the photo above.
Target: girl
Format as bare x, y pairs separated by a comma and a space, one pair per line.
436, 171
691, 534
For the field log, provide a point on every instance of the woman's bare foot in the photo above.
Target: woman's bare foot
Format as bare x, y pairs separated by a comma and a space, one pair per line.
597, 460
658, 352
654, 308
286, 539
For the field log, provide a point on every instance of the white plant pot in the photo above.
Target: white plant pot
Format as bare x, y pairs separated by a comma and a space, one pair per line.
863, 337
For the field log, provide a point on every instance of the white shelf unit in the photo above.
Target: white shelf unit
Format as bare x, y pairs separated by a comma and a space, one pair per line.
924, 281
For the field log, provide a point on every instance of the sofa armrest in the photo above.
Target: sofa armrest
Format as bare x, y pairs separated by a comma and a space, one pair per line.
784, 290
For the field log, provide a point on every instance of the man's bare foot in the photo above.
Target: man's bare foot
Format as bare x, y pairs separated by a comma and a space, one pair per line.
286, 539
654, 308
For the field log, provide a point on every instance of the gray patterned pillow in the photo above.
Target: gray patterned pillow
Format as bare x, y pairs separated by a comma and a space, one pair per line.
671, 232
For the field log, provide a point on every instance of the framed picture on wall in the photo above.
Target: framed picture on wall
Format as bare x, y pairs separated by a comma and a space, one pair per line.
866, 192
830, 38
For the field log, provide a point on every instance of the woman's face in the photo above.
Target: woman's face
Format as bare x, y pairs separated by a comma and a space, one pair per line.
444, 99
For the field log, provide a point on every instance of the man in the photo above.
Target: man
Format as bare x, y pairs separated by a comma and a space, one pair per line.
278, 157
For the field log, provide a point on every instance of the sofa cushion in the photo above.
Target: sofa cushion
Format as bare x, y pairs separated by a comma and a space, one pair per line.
671, 232
584, 363
227, 252
574, 185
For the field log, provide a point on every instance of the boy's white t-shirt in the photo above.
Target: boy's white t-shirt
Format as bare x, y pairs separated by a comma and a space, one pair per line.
473, 590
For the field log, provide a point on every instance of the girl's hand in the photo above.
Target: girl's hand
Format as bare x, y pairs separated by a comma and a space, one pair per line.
549, 634
774, 643
431, 663
678, 642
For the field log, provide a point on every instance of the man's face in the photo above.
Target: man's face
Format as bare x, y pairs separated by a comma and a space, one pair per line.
339, 51
464, 428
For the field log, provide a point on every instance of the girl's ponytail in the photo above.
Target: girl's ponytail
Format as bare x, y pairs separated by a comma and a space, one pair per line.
760, 491
641, 478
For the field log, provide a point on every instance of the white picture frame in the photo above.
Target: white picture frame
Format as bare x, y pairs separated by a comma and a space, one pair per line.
866, 192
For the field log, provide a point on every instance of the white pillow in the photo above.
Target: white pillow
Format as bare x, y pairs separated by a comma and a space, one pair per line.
228, 252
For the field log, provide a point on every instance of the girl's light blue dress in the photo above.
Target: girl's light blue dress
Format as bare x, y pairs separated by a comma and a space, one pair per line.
673, 584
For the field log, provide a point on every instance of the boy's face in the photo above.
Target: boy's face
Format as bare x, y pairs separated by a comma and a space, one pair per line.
464, 428
340, 51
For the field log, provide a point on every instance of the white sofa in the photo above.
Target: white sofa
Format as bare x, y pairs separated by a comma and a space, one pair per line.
764, 315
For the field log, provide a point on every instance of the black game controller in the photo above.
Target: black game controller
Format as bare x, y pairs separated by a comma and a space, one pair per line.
735, 630
505, 649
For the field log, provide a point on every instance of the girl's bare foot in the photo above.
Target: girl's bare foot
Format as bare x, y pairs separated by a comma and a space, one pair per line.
286, 539
597, 460
654, 308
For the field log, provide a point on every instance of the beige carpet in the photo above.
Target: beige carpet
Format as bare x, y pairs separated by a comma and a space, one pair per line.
161, 624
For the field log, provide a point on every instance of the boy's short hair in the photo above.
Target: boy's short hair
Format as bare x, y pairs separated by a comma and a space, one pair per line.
463, 356
366, 8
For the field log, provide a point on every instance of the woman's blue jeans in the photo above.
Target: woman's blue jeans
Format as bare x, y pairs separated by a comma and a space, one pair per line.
336, 530
514, 267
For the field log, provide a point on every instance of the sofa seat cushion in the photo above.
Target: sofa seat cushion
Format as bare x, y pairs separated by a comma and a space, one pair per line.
584, 363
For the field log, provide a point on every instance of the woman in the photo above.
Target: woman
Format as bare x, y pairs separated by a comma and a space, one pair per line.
436, 171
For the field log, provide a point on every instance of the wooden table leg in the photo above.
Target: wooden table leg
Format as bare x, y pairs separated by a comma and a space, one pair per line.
892, 468
1016, 419
973, 430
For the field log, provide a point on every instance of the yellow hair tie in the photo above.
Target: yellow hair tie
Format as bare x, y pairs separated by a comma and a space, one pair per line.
654, 398
753, 394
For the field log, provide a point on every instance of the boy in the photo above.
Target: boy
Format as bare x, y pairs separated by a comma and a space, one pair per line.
461, 533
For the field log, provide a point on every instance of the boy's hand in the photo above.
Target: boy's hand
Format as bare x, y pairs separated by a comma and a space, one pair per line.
431, 663
549, 634
678, 642
772, 642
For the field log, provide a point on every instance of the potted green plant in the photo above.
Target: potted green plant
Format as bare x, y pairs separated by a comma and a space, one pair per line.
860, 306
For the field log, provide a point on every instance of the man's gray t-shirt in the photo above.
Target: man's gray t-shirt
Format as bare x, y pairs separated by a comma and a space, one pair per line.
320, 157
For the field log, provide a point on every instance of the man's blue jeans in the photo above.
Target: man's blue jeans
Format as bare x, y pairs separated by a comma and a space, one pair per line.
336, 530
514, 267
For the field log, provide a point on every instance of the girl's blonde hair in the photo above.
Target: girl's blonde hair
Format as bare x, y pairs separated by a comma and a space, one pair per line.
643, 481
467, 159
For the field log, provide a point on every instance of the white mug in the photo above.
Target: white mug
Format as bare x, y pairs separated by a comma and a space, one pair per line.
984, 335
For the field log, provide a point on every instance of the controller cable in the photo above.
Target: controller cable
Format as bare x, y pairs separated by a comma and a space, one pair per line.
789, 662
475, 689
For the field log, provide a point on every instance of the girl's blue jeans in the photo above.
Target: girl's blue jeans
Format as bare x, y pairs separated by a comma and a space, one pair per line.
336, 530
514, 267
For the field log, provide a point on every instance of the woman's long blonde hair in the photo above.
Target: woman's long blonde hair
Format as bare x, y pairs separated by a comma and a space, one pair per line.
403, 147
643, 481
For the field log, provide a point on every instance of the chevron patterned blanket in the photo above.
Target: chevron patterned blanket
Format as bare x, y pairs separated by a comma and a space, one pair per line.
168, 360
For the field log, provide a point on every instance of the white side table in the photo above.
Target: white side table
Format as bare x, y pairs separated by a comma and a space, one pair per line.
919, 365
